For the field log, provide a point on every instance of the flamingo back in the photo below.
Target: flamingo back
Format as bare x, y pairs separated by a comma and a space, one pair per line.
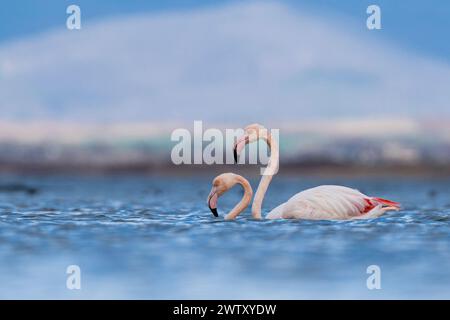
325, 202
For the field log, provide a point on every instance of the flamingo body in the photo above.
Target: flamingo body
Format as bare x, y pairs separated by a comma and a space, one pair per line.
332, 203
326, 202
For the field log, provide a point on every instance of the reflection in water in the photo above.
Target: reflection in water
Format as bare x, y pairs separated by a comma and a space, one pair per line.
154, 237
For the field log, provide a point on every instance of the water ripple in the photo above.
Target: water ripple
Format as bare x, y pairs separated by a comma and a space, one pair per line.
161, 229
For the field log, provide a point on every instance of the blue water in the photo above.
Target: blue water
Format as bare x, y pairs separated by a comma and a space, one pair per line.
154, 237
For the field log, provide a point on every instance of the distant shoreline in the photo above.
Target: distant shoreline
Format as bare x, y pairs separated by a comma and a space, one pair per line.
331, 170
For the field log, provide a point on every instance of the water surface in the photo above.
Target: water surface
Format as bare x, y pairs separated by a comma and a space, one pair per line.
154, 237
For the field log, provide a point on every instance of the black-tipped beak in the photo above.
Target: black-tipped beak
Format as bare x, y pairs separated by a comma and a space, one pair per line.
238, 146
213, 210
213, 194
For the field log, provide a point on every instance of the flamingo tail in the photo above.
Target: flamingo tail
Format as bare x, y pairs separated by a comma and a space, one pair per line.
388, 203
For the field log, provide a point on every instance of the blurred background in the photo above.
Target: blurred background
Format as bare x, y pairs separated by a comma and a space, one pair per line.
86, 118
108, 96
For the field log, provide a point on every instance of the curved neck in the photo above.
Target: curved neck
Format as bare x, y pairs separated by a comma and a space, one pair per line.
245, 201
267, 175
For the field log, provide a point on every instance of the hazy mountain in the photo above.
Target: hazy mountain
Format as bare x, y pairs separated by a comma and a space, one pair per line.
242, 62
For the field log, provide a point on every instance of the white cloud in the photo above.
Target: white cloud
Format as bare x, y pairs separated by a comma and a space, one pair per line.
242, 62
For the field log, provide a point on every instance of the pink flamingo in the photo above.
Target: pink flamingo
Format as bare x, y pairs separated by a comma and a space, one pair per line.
327, 202
222, 184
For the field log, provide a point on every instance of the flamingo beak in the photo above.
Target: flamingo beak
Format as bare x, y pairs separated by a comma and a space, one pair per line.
239, 145
212, 202
214, 212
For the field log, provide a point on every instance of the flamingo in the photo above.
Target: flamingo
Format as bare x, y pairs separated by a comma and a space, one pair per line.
327, 202
222, 184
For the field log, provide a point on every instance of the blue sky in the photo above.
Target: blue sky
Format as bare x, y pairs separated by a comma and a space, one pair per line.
236, 61
419, 25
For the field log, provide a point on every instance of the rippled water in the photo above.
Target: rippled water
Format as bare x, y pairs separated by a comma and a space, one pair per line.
154, 237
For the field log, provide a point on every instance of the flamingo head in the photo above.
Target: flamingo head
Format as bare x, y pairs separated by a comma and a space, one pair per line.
220, 185
252, 133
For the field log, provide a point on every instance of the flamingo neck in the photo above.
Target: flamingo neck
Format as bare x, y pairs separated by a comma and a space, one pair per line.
267, 175
245, 201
